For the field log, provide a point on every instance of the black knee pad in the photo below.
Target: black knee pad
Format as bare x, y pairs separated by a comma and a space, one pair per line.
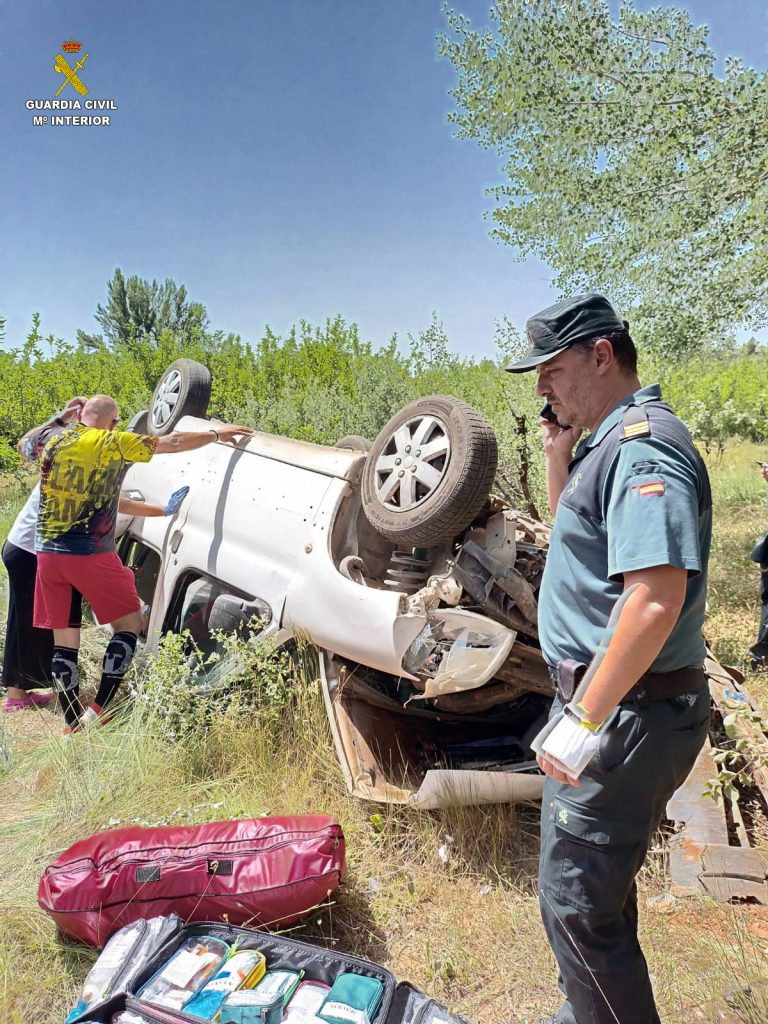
64, 669
119, 653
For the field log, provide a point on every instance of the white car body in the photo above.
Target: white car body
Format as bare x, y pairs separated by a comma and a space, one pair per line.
274, 521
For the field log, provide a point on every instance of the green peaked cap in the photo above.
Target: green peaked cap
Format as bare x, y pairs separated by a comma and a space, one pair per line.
569, 321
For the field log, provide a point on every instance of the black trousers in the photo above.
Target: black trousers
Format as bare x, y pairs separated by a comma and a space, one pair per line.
594, 838
28, 651
762, 638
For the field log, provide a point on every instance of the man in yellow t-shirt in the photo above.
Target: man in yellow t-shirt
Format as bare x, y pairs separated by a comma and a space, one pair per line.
81, 470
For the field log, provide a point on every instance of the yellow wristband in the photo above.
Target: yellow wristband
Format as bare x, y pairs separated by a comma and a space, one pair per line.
585, 720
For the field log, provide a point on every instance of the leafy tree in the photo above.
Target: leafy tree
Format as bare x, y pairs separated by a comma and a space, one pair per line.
631, 166
429, 349
721, 399
137, 312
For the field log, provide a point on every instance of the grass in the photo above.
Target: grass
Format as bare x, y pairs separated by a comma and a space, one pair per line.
741, 516
14, 490
466, 930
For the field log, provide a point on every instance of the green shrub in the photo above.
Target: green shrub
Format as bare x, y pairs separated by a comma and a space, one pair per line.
184, 690
316, 384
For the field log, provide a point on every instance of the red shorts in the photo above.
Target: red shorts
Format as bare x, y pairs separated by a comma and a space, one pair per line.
105, 583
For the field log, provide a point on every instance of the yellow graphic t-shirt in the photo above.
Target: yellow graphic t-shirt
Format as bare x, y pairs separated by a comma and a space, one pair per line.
81, 471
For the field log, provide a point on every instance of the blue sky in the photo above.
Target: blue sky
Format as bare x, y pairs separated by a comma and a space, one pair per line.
284, 159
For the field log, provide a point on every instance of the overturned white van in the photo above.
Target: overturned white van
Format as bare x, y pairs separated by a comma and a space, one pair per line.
417, 587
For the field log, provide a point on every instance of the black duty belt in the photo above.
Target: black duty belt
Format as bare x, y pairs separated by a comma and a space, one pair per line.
566, 676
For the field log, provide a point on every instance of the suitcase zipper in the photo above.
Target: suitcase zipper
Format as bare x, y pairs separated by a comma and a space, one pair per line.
421, 1013
116, 860
431, 1004
158, 1014
164, 899
128, 966
127, 960
299, 837
183, 860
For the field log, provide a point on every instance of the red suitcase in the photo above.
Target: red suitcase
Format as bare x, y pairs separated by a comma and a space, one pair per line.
263, 872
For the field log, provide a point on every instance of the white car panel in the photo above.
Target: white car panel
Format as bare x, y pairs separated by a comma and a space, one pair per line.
280, 521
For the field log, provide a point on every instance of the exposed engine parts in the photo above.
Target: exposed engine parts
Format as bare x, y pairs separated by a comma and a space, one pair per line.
492, 573
409, 570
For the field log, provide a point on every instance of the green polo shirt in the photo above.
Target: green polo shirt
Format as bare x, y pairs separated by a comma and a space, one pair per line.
628, 506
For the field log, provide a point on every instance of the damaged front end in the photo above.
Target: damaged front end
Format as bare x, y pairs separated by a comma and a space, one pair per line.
455, 725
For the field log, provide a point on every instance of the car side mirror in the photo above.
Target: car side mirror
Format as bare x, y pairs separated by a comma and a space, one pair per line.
231, 614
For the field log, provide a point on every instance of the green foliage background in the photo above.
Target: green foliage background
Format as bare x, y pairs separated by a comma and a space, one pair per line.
321, 382
318, 383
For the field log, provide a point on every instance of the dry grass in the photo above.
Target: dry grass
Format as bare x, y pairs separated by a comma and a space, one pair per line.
467, 930
741, 517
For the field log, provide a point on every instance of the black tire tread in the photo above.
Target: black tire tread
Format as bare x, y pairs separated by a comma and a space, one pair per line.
194, 396
455, 508
353, 442
139, 424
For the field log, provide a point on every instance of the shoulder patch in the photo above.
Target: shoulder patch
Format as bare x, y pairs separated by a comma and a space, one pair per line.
646, 490
634, 423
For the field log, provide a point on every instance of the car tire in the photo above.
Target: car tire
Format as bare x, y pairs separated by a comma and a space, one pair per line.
353, 443
449, 483
183, 390
140, 423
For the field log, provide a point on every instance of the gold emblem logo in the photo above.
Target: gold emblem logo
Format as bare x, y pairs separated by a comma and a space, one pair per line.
70, 74
573, 484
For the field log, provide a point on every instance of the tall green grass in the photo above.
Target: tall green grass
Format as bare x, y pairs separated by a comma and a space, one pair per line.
740, 518
14, 491
737, 484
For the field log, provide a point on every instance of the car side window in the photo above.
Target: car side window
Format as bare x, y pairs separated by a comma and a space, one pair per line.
145, 563
204, 607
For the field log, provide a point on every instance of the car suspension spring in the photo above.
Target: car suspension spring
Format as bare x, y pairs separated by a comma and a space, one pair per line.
408, 570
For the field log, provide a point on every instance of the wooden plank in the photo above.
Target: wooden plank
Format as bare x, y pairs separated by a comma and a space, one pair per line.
738, 819
731, 872
700, 855
703, 824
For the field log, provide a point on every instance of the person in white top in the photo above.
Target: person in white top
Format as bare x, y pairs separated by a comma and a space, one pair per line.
27, 651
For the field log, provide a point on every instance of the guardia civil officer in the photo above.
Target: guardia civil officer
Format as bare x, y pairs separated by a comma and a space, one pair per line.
632, 508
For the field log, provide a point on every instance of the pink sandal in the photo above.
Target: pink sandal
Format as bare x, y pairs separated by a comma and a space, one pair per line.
32, 700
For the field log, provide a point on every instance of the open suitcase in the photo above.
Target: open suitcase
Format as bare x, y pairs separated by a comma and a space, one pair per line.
126, 995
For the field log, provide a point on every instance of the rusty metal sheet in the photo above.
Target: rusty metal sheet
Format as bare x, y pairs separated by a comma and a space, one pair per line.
726, 689
703, 824
733, 872
701, 858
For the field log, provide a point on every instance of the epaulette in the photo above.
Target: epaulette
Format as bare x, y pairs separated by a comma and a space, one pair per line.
634, 423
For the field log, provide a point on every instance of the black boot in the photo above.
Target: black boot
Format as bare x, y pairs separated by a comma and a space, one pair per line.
759, 656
